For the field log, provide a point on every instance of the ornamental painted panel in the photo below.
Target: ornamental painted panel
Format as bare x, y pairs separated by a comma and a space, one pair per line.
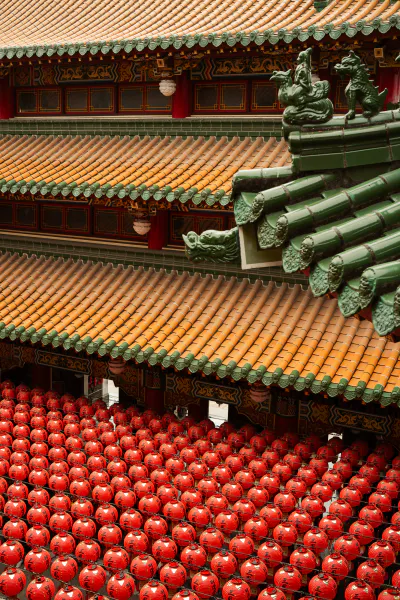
322, 417
182, 391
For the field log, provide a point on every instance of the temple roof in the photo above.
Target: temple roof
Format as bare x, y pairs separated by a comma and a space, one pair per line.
199, 169
335, 214
50, 28
208, 324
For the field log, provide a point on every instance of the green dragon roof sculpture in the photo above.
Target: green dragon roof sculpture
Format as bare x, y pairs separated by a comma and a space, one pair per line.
334, 214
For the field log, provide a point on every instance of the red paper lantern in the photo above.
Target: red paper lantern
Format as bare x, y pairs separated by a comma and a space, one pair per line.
242, 546
84, 528
224, 564
271, 593
37, 536
64, 568
270, 553
62, 543
256, 528
348, 546
164, 549
372, 573
301, 519
136, 542
271, 514
227, 521
154, 590
317, 540
116, 559
341, 509
68, 592
285, 501
359, 590
236, 589
217, 503
37, 560
143, 567
173, 575
194, 557
288, 579
92, 578
332, 526
313, 505
285, 533
304, 560
372, 514
211, 539
11, 553
383, 553
205, 584
244, 509
363, 531
323, 586
336, 566
12, 582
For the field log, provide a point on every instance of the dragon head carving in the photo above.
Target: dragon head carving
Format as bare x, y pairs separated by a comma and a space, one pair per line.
212, 246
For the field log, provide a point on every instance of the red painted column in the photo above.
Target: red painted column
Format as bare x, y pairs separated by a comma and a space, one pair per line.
158, 234
390, 78
181, 98
6, 99
154, 400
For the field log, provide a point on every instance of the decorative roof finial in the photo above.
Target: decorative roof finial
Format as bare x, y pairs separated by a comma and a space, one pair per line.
305, 101
360, 88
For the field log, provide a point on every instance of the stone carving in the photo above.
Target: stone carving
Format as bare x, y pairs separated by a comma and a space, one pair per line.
305, 101
213, 246
360, 88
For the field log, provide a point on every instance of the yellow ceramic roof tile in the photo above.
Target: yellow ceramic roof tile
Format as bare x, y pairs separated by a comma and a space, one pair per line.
218, 320
25, 24
156, 163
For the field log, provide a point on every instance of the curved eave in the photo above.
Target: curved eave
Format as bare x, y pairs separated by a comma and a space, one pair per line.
205, 41
216, 326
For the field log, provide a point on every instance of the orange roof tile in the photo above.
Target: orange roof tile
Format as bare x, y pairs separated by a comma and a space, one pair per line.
200, 169
220, 325
48, 27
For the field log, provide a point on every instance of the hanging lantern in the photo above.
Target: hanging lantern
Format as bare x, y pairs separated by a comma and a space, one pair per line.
62, 543
121, 586
37, 560
348, 546
88, 551
116, 366
205, 584
12, 582
304, 560
154, 590
323, 586
359, 590
336, 566
173, 575
64, 569
236, 589
259, 393
167, 87
164, 549
92, 578
68, 592
372, 573
11, 553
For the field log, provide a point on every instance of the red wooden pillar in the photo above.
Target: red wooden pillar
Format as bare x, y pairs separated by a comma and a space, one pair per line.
154, 385
158, 234
155, 400
390, 78
181, 98
6, 99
